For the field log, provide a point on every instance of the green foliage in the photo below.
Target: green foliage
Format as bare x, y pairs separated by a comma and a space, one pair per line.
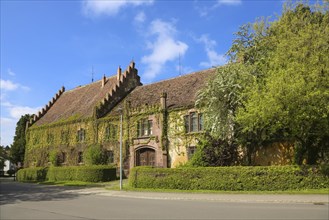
82, 173
238, 178
276, 86
93, 155
213, 152
17, 149
292, 102
35, 174
53, 158
220, 100
74, 173
222, 97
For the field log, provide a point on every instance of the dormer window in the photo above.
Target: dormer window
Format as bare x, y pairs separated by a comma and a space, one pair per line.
144, 128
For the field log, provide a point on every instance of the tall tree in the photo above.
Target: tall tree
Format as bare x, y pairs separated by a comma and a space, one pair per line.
293, 102
276, 86
220, 100
17, 149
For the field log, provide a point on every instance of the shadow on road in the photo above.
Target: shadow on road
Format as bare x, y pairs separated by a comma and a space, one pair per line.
13, 192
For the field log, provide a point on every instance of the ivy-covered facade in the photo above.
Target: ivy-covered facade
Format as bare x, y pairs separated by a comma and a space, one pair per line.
160, 124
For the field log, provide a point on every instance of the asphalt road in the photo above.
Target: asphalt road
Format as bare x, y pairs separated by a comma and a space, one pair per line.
32, 201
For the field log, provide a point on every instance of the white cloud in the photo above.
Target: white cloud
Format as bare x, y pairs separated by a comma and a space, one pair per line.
229, 2
8, 123
8, 85
7, 129
214, 59
10, 72
18, 111
108, 7
205, 10
164, 48
140, 17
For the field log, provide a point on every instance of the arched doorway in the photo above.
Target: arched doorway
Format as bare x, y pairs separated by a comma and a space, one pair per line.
145, 157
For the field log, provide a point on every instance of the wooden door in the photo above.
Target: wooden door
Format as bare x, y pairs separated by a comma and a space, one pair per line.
145, 157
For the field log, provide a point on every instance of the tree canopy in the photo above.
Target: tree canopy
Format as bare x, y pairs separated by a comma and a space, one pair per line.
17, 149
276, 86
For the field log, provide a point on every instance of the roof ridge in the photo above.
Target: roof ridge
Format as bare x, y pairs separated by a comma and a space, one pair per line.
89, 84
178, 77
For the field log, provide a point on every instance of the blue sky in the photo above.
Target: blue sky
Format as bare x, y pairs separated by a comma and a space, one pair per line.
49, 44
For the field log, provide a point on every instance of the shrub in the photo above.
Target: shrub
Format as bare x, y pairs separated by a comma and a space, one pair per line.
93, 155
53, 158
35, 174
230, 178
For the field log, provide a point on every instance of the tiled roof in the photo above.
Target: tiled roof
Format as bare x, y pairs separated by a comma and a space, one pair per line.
181, 91
78, 102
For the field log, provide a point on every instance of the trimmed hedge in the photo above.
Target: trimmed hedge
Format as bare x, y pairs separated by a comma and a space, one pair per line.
237, 178
100, 173
95, 173
34, 174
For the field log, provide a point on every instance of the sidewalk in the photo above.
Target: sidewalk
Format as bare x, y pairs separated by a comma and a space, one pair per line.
244, 198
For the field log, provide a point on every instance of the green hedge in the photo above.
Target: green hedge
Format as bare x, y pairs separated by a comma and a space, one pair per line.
240, 178
35, 174
95, 173
101, 173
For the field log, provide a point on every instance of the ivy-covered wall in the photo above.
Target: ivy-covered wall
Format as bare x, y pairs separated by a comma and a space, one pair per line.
179, 141
43, 141
168, 139
171, 142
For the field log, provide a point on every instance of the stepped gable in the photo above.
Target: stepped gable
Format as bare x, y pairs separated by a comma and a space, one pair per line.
181, 91
78, 102
92, 100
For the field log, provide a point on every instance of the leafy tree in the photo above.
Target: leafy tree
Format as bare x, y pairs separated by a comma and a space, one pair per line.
293, 101
275, 86
94, 155
17, 149
220, 101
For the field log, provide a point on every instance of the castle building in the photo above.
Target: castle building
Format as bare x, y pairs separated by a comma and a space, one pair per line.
160, 124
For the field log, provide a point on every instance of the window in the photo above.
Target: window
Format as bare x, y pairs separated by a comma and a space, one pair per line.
190, 152
81, 135
144, 128
111, 132
193, 122
80, 157
61, 157
109, 156
200, 122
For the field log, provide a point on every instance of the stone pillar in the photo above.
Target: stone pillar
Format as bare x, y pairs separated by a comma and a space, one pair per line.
119, 74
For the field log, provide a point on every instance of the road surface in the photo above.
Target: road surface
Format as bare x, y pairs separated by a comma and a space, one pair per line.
33, 201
